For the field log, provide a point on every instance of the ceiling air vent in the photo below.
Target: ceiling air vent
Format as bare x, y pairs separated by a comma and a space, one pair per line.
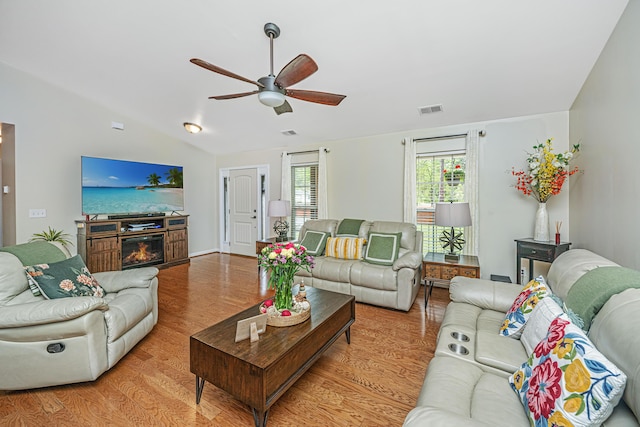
430, 109
289, 132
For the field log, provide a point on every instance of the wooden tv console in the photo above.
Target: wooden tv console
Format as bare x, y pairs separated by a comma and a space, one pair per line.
102, 243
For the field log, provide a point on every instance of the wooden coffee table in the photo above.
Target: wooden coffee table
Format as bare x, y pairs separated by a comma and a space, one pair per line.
259, 373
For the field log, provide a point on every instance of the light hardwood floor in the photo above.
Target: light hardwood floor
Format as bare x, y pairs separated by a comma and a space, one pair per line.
375, 381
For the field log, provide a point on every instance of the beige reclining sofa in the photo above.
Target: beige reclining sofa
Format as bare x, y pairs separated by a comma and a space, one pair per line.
467, 381
46, 342
394, 285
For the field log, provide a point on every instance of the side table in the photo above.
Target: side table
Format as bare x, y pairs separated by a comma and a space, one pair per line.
261, 244
436, 270
537, 251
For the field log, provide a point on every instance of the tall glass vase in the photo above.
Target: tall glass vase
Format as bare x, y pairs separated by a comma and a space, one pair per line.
284, 298
282, 282
541, 230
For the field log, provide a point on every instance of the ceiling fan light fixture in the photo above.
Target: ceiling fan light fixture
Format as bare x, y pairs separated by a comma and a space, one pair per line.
192, 127
271, 98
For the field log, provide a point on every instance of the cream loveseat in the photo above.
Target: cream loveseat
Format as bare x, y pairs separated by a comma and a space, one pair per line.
393, 286
467, 381
46, 342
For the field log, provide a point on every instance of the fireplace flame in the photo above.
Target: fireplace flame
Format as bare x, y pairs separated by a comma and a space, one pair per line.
141, 255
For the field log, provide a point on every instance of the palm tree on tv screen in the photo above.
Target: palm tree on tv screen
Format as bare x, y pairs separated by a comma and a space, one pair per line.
175, 177
154, 179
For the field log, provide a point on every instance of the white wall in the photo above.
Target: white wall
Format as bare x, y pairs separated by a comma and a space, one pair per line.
605, 201
365, 177
54, 127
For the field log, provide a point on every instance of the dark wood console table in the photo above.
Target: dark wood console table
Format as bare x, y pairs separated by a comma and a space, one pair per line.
537, 251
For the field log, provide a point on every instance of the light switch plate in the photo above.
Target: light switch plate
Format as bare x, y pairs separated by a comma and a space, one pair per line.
37, 213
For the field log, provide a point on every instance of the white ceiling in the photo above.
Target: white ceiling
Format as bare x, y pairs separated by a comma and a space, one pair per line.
482, 60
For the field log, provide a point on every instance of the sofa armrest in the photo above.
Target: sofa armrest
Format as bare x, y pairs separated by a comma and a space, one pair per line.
487, 294
411, 260
115, 281
48, 311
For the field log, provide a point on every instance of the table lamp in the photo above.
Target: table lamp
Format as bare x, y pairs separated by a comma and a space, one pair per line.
452, 215
280, 209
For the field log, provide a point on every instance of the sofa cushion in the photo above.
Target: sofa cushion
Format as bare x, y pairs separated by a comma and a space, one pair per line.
36, 252
68, 278
33, 285
498, 351
373, 276
314, 242
326, 225
382, 248
332, 269
458, 393
12, 278
521, 309
345, 247
408, 230
567, 380
349, 227
538, 324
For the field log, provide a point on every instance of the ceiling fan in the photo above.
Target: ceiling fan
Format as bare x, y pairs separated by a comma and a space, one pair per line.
272, 89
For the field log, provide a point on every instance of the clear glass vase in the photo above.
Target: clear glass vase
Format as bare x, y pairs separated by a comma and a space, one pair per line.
284, 297
282, 282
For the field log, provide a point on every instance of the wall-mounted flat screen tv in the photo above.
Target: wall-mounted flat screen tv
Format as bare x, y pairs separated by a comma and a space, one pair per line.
125, 187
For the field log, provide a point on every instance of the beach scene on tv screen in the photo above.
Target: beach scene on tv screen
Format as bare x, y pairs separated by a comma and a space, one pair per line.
119, 186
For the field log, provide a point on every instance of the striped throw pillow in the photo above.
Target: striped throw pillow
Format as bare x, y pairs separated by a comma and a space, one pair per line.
345, 247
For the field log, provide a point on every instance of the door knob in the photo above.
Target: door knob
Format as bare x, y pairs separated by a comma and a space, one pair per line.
253, 217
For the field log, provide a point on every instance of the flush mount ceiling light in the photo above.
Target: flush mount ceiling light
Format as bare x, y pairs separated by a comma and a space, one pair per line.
192, 127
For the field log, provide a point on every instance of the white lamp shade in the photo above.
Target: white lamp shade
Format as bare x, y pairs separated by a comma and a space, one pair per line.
453, 214
279, 208
271, 98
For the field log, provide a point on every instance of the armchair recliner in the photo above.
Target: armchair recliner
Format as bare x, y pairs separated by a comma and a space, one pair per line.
67, 340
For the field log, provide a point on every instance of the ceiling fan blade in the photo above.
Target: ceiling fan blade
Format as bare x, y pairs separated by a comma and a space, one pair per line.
284, 108
216, 69
317, 97
300, 67
234, 95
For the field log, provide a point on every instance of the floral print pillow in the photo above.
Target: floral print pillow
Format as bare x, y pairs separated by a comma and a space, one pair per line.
522, 307
566, 381
68, 278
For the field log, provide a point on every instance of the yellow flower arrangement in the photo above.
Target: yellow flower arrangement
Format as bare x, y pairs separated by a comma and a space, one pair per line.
547, 171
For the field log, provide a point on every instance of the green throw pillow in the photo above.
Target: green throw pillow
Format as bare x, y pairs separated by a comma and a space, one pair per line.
382, 248
68, 278
349, 227
314, 242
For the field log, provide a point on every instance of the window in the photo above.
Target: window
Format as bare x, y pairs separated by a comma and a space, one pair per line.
304, 190
439, 178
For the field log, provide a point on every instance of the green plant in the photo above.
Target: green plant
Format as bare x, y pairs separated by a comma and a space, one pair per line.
53, 235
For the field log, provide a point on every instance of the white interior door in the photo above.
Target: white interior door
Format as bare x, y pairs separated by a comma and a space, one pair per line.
243, 211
